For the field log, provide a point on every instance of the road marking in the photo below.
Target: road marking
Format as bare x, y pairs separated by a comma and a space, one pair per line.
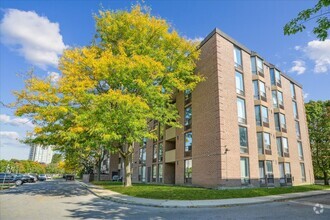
309, 204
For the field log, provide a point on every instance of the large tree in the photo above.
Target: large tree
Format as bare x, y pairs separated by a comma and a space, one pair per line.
111, 88
320, 12
318, 118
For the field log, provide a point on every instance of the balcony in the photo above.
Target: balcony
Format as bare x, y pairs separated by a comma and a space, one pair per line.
170, 134
170, 156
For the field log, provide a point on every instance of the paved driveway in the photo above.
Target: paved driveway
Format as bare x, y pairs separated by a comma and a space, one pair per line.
68, 200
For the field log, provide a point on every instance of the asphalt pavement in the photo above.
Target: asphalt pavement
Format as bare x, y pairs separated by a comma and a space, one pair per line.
59, 199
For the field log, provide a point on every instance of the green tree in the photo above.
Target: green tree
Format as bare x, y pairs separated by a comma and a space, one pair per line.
318, 118
320, 12
56, 158
111, 89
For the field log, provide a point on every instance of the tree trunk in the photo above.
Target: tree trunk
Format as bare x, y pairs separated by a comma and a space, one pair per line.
325, 175
128, 174
99, 170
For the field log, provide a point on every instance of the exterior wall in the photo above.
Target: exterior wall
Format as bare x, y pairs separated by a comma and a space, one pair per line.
215, 127
41, 154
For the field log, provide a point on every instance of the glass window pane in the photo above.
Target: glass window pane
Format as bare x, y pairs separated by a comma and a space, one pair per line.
239, 83
283, 121
300, 150
155, 151
187, 171
272, 76
243, 136
274, 95
303, 173
295, 110
241, 110
265, 114
260, 65
297, 129
260, 143
255, 89
262, 88
277, 122
269, 167
277, 76
253, 65
237, 56
280, 97
287, 168
258, 115
188, 141
285, 144
188, 116
293, 92
267, 140
160, 172
279, 146
281, 168
160, 152
261, 169
244, 167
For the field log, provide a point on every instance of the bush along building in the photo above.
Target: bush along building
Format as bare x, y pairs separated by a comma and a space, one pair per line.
245, 125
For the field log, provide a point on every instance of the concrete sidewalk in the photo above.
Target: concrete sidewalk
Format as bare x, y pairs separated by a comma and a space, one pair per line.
120, 198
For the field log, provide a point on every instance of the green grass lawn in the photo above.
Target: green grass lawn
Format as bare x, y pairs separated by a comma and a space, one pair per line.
194, 193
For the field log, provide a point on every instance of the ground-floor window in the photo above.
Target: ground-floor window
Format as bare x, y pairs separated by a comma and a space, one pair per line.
154, 173
187, 171
160, 173
245, 173
303, 173
142, 173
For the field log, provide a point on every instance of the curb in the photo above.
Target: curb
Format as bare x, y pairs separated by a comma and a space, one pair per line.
264, 199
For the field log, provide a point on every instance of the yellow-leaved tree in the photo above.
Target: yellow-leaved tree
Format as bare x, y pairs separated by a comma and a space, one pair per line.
110, 89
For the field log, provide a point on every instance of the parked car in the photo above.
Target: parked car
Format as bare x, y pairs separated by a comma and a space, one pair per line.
24, 178
30, 178
117, 178
10, 178
42, 177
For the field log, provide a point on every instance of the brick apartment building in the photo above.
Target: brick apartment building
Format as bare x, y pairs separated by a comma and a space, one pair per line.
244, 125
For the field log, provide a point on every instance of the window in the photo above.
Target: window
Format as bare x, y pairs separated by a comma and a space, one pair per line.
238, 58
264, 143
188, 171
187, 117
154, 158
279, 146
188, 141
280, 122
267, 140
142, 173
260, 143
243, 139
285, 173
303, 173
261, 115
187, 96
154, 173
275, 77
295, 110
261, 170
258, 115
257, 66
264, 112
239, 83
285, 146
259, 90
293, 92
142, 158
277, 99
241, 111
245, 173
300, 151
160, 173
260, 65
160, 152
269, 167
297, 129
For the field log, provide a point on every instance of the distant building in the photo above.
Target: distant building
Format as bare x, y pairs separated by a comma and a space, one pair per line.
41, 154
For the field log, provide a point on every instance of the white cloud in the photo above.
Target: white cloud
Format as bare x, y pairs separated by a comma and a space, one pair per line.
298, 67
305, 95
6, 119
195, 40
319, 52
297, 47
34, 37
12, 135
53, 76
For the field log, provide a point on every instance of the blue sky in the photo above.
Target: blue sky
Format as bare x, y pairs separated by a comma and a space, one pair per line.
34, 34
